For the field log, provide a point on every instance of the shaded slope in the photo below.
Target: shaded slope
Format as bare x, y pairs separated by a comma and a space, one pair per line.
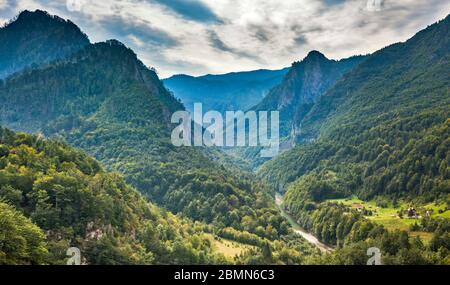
105, 101
382, 129
36, 38
227, 92
71, 199
306, 81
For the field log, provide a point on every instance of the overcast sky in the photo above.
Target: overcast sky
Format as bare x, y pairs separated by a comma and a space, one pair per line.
218, 36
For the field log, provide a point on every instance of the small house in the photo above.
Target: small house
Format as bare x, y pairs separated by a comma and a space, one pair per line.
358, 207
412, 213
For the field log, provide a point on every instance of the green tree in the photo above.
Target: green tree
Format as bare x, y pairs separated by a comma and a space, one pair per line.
21, 242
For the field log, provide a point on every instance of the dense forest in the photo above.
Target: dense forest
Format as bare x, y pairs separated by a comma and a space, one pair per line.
294, 97
389, 135
36, 38
54, 197
381, 131
364, 138
105, 101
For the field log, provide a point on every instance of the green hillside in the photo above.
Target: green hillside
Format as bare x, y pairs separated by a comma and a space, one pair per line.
36, 38
106, 102
382, 129
53, 197
305, 82
382, 133
365, 158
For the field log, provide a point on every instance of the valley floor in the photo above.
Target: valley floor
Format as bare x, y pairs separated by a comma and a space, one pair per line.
389, 217
299, 230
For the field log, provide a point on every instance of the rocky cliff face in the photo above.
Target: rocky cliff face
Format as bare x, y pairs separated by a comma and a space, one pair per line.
306, 81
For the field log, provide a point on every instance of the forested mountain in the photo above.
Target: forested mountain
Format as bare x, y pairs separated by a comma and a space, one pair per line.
294, 97
35, 38
306, 81
104, 78
53, 197
106, 102
226, 92
369, 131
378, 119
381, 131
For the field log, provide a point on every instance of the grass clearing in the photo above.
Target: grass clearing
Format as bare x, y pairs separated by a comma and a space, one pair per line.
439, 210
388, 216
229, 248
425, 237
394, 223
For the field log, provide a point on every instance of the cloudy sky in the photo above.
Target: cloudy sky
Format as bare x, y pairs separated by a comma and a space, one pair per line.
218, 36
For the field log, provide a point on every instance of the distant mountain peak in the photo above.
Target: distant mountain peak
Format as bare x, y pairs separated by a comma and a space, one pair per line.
302, 86
114, 42
225, 92
36, 38
28, 17
315, 55
117, 45
25, 14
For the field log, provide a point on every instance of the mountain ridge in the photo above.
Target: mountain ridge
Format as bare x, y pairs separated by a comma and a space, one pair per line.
38, 38
382, 91
375, 128
103, 100
224, 92
305, 82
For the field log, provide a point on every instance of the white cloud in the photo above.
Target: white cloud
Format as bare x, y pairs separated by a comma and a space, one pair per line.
3, 4
374, 5
252, 34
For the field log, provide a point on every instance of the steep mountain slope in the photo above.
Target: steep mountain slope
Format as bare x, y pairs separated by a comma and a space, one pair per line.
227, 92
381, 133
70, 201
35, 38
294, 97
53, 197
306, 81
22, 241
105, 78
105, 101
386, 121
